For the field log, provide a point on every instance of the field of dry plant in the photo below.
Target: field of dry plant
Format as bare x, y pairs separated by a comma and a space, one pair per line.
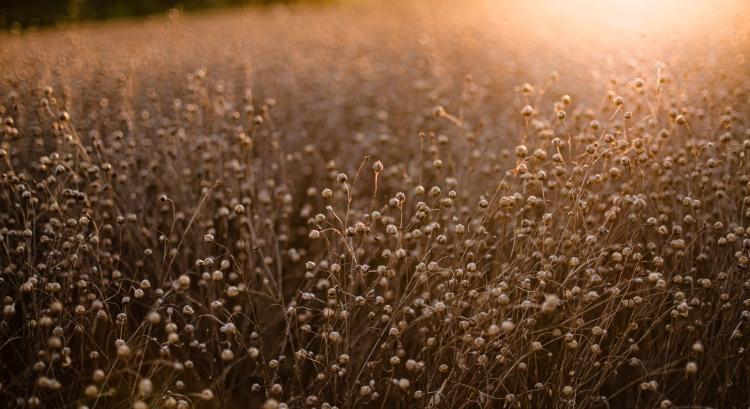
423, 204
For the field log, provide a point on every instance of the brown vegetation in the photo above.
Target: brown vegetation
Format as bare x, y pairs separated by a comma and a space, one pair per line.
374, 206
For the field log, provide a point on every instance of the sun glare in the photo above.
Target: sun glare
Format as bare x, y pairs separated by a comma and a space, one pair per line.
628, 16
633, 14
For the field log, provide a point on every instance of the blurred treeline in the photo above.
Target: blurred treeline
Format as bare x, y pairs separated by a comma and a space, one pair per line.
49, 12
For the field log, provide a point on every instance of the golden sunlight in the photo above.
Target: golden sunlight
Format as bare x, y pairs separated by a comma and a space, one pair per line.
627, 16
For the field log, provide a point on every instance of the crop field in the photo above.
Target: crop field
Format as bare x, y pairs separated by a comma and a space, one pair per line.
383, 204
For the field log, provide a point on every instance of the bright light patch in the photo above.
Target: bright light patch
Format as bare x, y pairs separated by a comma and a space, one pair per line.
633, 15
627, 16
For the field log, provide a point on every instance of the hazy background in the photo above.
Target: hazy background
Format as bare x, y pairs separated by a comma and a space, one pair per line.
49, 12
